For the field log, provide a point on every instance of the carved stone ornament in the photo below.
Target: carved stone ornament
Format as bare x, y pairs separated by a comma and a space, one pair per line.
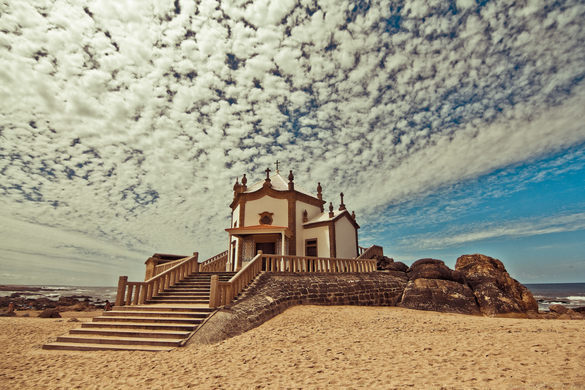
266, 218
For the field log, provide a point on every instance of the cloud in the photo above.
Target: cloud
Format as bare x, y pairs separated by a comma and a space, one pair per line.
129, 121
548, 225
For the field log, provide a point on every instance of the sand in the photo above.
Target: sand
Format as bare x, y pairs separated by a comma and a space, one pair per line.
316, 347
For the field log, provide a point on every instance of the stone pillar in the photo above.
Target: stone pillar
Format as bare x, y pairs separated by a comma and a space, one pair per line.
121, 289
150, 264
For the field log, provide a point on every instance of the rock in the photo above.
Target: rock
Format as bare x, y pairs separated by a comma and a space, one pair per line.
50, 313
433, 269
559, 309
439, 295
6, 313
580, 309
496, 292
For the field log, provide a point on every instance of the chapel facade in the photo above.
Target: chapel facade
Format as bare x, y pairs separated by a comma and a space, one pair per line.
275, 217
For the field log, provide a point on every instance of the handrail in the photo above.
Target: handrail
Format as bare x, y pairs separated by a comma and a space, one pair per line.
136, 293
216, 263
222, 293
374, 250
160, 268
287, 263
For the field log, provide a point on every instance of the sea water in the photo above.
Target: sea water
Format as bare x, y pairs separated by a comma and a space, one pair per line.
566, 294
95, 294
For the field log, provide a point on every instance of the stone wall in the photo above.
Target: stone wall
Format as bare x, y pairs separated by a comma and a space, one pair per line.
479, 285
271, 294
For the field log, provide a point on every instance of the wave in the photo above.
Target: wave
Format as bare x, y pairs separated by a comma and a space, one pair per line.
575, 298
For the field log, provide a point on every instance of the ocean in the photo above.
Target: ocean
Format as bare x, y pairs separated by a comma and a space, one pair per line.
94, 294
567, 294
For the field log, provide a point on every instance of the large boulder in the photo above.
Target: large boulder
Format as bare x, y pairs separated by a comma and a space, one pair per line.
433, 286
495, 290
439, 295
388, 264
433, 269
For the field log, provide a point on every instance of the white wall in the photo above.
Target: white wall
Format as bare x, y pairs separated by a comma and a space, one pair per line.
345, 239
312, 212
277, 206
321, 233
236, 216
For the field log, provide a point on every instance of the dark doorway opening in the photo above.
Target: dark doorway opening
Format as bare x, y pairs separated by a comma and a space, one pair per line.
267, 248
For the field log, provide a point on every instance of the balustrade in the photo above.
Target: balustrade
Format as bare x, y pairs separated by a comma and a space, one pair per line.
216, 263
222, 293
136, 293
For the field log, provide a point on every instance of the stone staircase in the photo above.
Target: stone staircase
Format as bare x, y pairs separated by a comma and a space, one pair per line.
163, 323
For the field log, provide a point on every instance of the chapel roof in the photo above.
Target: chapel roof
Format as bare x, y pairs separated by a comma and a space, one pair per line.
278, 183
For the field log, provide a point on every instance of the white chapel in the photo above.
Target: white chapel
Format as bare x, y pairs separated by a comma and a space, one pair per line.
274, 217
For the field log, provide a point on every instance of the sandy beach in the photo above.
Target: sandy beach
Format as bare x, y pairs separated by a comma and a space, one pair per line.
316, 347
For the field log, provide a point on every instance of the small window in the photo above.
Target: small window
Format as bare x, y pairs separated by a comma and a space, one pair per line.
311, 247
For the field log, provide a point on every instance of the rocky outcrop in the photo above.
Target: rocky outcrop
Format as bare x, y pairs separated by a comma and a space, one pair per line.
388, 264
50, 313
433, 286
495, 290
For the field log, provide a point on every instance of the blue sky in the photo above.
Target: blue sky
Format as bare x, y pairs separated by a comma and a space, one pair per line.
452, 127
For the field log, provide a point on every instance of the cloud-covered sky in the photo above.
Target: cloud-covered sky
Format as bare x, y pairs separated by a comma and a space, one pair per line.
451, 126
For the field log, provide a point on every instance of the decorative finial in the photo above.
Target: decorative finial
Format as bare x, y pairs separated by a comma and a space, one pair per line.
305, 216
244, 180
277, 162
331, 214
353, 214
267, 181
236, 185
341, 206
320, 194
291, 177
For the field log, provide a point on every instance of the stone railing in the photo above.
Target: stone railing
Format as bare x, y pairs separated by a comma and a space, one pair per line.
368, 253
216, 263
222, 293
159, 269
160, 262
136, 293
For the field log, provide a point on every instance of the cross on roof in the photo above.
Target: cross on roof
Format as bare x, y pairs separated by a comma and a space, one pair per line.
267, 173
277, 162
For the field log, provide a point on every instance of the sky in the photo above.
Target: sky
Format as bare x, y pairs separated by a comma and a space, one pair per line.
452, 127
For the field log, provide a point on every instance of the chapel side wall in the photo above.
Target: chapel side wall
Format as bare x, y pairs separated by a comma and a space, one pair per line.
345, 244
236, 216
312, 211
277, 206
321, 233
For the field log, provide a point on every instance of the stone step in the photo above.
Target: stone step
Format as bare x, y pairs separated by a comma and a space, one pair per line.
138, 325
134, 333
149, 320
144, 313
165, 308
179, 301
191, 289
183, 293
104, 347
119, 340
